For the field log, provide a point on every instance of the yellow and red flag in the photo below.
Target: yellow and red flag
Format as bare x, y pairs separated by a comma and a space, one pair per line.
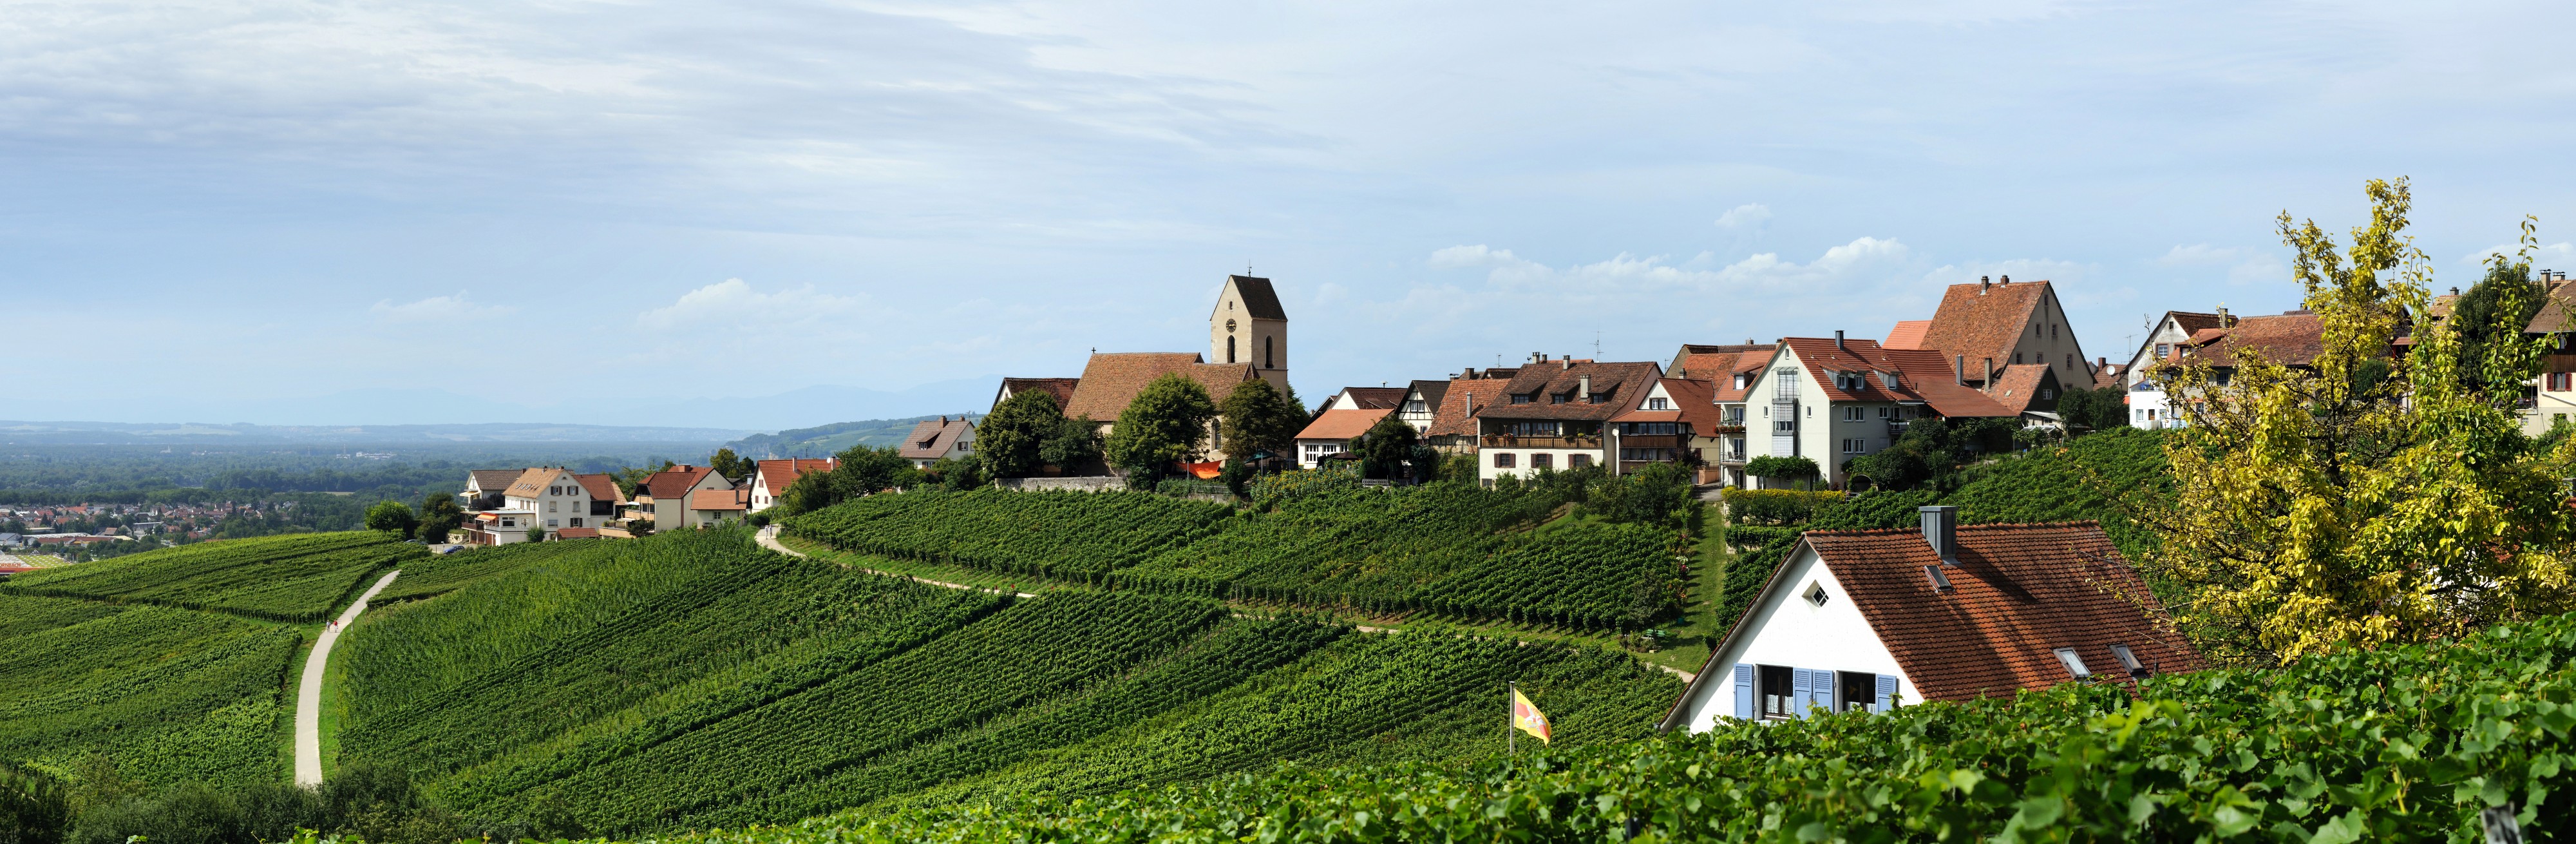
1526, 717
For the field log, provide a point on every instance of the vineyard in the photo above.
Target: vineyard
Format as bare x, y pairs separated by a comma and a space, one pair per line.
293, 578
169, 695
439, 575
1456, 550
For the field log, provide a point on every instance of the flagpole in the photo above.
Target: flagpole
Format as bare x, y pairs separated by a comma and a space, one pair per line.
1511, 717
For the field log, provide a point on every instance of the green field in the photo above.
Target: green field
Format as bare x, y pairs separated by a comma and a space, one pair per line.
295, 578
170, 695
691, 681
1448, 550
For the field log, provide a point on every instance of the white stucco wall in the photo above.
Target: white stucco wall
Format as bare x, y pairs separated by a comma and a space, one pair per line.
1785, 630
557, 510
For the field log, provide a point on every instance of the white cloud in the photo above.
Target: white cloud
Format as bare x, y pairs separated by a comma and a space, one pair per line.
732, 303
437, 308
2244, 266
1748, 214
1843, 266
2198, 253
2548, 256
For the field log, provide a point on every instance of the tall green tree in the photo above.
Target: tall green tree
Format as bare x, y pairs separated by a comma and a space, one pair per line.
731, 466
2351, 504
2495, 310
392, 517
1259, 419
1074, 444
1387, 446
439, 515
1167, 423
1009, 443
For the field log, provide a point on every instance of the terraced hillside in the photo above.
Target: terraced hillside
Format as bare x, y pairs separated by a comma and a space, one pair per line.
297, 577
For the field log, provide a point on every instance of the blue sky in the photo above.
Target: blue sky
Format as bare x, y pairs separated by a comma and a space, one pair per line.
356, 212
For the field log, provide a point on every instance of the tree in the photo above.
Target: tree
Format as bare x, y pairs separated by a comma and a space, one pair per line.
2496, 309
1387, 446
392, 517
1075, 443
2094, 409
1010, 442
730, 466
2350, 503
439, 515
954, 474
1784, 468
1257, 419
1657, 495
1167, 423
536, 532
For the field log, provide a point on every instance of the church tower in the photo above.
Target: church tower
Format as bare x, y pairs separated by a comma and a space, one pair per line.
1248, 326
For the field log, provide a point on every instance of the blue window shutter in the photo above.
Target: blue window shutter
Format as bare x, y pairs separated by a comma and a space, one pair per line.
1744, 691
1886, 693
1802, 685
1820, 689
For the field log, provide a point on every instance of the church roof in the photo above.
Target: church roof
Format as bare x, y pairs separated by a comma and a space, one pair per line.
1111, 380
1259, 300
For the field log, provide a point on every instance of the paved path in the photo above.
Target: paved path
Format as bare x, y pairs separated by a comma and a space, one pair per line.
308, 698
768, 538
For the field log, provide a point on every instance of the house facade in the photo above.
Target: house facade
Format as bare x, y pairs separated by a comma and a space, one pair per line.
1730, 371
771, 478
931, 442
1988, 326
1557, 415
1331, 433
2292, 339
2171, 332
1832, 400
663, 497
1249, 327
1871, 620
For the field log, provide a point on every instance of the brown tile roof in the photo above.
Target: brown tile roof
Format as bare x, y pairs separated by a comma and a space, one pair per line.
719, 499
1908, 334
532, 482
2291, 339
670, 483
2018, 385
2193, 320
1983, 321
932, 438
1431, 390
494, 480
2109, 375
1700, 360
1928, 375
577, 533
1111, 380
1455, 415
1376, 398
1922, 375
1061, 388
1696, 399
1614, 385
2555, 311
1259, 300
779, 474
1341, 424
601, 487
2020, 591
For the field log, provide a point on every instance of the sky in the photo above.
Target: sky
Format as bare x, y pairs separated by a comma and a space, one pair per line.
764, 215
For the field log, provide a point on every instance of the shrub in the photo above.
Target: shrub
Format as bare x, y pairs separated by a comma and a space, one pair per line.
1776, 506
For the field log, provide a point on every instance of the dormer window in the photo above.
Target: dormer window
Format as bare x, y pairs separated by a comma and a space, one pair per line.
1559, 398
1524, 398
1658, 404
1741, 379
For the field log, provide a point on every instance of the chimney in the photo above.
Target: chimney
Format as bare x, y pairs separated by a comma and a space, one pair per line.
2222, 318
1983, 283
1583, 387
2003, 279
1838, 339
2100, 364
2455, 291
1989, 386
1565, 363
1941, 529
1959, 370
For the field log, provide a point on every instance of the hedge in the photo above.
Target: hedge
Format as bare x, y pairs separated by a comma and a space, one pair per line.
1775, 506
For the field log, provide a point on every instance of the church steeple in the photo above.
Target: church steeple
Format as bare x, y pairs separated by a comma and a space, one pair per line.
1248, 326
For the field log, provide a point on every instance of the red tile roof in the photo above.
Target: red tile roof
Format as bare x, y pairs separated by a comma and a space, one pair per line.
2020, 591
1922, 375
1376, 398
1983, 321
719, 499
600, 487
1699, 360
1111, 380
2291, 339
2017, 386
780, 474
1341, 424
577, 533
532, 482
1061, 388
493, 480
1908, 334
670, 483
1696, 399
1614, 387
2110, 375
930, 439
1455, 415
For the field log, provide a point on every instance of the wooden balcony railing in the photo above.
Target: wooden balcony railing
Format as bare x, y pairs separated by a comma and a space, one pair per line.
1511, 441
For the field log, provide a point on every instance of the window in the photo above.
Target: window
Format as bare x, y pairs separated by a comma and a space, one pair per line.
2074, 664
1229, 342
2016, 358
551, 522
1785, 426
1854, 445
1882, 413
509, 522
2162, 350
2128, 660
2558, 381
1788, 383
550, 506
1853, 414
1578, 461
1532, 429
1735, 415
1524, 398
2047, 393
1559, 398
2052, 334
1415, 406
965, 446
1816, 594
576, 522
1542, 461
2070, 361
1503, 460
1779, 692
1854, 691
1647, 454
1658, 404
1740, 378
1265, 354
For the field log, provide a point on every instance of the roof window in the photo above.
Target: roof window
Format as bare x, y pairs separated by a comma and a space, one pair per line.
2074, 664
1940, 580
2128, 660
1816, 594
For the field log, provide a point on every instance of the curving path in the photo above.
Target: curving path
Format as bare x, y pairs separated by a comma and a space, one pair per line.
308, 697
768, 538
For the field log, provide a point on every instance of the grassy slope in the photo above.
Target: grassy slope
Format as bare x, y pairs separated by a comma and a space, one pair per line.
171, 695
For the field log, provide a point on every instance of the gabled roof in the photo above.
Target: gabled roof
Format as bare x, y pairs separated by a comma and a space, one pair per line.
2018, 385
1259, 300
1061, 388
1696, 399
1922, 375
532, 482
931, 439
494, 480
1613, 384
1930, 377
1375, 398
576, 533
2290, 339
2191, 321
779, 474
1982, 320
670, 483
1111, 380
1341, 424
1703, 360
720, 499
2557, 311
1455, 414
2018, 593
1908, 334
601, 487
1431, 390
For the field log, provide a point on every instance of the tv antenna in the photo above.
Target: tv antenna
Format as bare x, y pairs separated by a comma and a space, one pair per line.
1596, 344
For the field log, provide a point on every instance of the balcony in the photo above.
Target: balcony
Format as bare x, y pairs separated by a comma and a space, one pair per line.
1728, 428
1511, 441
1652, 441
1895, 429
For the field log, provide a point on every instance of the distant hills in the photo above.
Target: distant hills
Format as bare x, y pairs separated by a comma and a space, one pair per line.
124, 433
726, 416
824, 440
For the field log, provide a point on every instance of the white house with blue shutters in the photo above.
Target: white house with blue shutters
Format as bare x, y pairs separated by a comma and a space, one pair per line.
1868, 620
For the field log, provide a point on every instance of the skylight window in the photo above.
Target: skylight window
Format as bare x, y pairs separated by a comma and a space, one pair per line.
2074, 664
2128, 660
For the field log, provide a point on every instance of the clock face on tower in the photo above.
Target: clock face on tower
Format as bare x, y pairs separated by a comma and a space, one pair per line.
1229, 326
